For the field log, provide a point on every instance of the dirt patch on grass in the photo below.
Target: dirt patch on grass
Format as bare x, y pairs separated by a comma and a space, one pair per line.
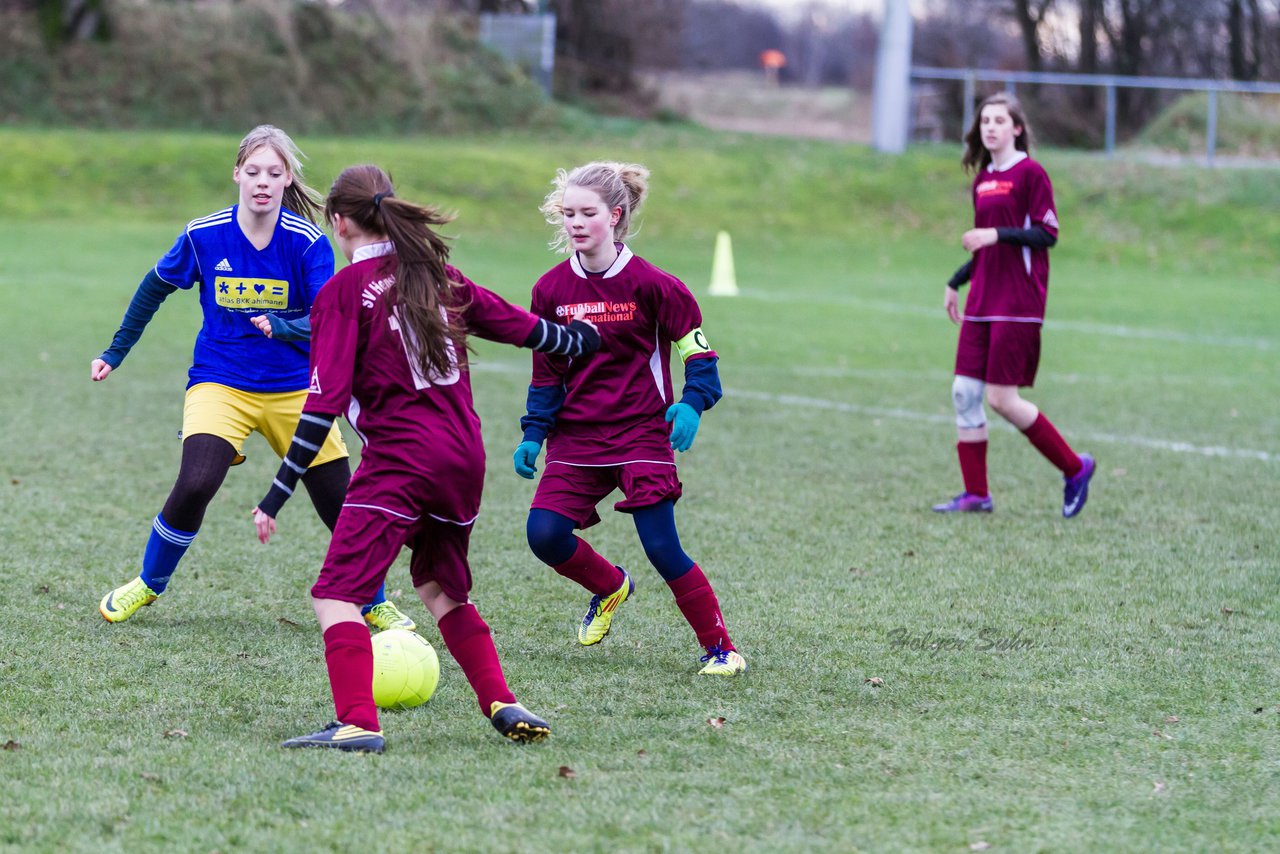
746, 102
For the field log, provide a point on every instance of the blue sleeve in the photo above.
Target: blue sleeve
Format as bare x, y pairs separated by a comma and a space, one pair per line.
701, 384
318, 264
180, 267
290, 330
542, 405
146, 300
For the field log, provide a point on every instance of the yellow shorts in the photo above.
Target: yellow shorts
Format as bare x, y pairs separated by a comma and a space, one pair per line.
232, 414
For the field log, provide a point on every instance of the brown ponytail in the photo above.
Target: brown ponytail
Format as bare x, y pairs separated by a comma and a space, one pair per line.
422, 294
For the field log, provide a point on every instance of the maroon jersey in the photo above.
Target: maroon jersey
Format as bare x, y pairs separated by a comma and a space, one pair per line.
422, 447
616, 400
1010, 282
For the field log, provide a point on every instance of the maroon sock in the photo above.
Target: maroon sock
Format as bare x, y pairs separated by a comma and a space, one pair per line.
973, 466
697, 601
348, 653
1049, 442
591, 570
469, 641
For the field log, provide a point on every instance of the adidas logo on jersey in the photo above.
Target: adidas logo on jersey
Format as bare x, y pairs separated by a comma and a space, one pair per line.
224, 266
315, 382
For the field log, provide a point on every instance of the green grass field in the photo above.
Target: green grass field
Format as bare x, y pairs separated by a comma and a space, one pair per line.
1131, 703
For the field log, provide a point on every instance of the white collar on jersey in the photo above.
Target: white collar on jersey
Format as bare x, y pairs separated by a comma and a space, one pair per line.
373, 250
614, 269
1018, 157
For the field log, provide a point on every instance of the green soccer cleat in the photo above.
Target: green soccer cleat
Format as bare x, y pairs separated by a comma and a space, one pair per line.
385, 615
339, 736
121, 603
517, 723
723, 662
600, 615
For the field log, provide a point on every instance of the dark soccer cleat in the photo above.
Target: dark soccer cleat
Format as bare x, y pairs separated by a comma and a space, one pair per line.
1075, 490
966, 503
341, 737
518, 723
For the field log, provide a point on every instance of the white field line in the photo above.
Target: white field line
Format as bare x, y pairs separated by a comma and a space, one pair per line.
910, 415
1113, 330
934, 418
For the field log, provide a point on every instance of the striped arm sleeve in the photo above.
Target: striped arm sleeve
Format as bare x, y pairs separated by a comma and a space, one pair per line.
576, 339
308, 438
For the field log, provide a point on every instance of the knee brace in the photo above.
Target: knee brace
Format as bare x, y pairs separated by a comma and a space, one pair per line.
966, 394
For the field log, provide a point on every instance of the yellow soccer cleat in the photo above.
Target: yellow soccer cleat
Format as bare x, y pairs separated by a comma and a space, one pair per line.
517, 723
385, 615
121, 603
723, 662
596, 624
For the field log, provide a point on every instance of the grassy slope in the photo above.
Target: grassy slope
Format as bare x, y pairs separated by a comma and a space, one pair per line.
808, 518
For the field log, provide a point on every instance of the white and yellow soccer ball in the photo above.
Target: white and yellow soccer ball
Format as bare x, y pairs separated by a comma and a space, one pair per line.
405, 669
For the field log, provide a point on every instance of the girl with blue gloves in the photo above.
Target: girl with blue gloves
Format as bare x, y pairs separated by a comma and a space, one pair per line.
612, 421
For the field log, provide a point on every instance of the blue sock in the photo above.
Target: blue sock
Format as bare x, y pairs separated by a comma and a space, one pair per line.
378, 598
165, 548
656, 526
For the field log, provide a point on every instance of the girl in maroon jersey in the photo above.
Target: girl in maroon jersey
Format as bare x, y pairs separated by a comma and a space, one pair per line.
389, 349
612, 422
999, 349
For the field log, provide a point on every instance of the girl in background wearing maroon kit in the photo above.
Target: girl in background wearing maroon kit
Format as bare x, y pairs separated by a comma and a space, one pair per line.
999, 348
389, 348
612, 422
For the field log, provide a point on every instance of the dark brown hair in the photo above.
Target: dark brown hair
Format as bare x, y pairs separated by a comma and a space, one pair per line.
423, 295
976, 157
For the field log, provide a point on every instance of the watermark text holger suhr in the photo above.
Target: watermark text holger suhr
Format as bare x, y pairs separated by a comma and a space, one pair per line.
987, 639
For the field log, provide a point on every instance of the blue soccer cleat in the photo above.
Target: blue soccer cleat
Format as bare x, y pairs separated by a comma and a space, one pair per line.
1075, 490
341, 736
966, 503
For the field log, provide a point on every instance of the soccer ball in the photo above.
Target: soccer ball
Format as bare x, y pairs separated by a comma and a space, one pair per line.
405, 669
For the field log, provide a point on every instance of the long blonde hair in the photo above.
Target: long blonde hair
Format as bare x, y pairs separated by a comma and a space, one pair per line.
298, 197
619, 185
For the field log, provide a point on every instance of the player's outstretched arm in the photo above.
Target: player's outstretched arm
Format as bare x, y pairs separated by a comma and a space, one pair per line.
280, 329
146, 301
579, 338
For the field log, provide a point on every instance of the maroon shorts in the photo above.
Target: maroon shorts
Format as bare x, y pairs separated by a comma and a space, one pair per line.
574, 491
999, 352
366, 542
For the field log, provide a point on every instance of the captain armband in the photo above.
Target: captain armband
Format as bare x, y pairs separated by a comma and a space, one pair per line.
692, 344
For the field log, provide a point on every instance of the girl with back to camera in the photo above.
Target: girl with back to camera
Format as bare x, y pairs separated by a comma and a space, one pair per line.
263, 254
612, 422
390, 350
1015, 224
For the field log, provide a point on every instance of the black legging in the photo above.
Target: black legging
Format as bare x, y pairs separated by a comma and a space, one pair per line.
205, 462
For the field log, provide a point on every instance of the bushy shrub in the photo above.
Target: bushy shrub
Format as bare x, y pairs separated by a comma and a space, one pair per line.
226, 65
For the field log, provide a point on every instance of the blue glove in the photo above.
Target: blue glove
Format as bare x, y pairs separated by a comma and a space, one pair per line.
526, 457
684, 425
